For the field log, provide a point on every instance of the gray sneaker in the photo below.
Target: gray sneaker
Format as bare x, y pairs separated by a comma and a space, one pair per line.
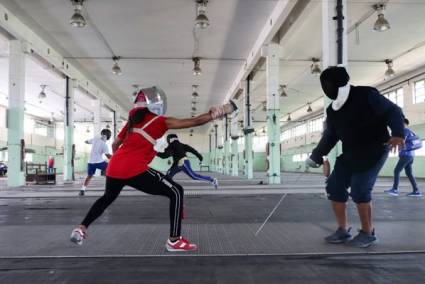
363, 239
340, 236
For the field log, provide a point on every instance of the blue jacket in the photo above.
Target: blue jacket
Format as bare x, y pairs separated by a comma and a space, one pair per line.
408, 134
362, 127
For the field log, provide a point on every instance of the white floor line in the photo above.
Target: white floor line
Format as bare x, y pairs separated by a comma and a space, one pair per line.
271, 213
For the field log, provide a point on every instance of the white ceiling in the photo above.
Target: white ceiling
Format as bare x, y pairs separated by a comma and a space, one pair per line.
304, 42
157, 29
162, 30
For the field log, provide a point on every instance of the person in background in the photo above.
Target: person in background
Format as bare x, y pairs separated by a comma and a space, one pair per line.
405, 161
178, 150
99, 148
50, 165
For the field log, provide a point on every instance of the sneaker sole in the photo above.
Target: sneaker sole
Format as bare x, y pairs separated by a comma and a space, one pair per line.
364, 245
392, 194
171, 249
414, 195
338, 242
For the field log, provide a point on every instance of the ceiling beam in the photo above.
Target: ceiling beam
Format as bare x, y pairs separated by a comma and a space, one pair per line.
35, 44
272, 26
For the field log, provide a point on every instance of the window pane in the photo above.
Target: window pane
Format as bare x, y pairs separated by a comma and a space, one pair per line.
419, 92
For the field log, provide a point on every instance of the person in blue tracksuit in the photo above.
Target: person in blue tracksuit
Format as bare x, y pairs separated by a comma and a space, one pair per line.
178, 151
359, 117
405, 161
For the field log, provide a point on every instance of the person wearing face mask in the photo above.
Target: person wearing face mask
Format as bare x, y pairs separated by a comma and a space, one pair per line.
99, 148
359, 117
134, 150
178, 151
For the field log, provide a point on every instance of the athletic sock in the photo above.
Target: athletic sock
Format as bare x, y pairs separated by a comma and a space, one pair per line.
83, 188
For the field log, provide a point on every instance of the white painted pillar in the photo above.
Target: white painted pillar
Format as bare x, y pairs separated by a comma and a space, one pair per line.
15, 134
249, 133
71, 86
330, 48
97, 110
273, 112
234, 135
114, 124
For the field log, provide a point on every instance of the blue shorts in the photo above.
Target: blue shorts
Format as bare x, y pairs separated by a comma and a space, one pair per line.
91, 168
361, 183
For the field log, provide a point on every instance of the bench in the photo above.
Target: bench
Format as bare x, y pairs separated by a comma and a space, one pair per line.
39, 174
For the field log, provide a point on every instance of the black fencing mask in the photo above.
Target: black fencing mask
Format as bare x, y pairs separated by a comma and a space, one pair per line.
332, 79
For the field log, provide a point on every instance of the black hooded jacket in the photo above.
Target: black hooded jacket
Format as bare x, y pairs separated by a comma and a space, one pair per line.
178, 151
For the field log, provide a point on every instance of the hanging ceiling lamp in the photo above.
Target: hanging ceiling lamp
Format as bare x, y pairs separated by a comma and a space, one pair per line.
116, 69
309, 109
381, 23
315, 68
289, 118
77, 19
282, 91
201, 21
42, 95
197, 71
390, 71
195, 91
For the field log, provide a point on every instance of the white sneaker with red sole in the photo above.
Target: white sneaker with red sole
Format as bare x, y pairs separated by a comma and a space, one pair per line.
180, 245
77, 236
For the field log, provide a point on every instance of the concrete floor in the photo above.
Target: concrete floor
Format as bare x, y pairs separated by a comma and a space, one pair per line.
126, 244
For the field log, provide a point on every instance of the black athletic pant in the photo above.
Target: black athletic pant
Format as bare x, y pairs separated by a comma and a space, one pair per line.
151, 182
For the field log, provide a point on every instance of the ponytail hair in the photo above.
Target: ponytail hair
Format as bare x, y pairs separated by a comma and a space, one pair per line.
138, 116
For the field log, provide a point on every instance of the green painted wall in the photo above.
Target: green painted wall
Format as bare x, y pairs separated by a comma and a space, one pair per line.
288, 165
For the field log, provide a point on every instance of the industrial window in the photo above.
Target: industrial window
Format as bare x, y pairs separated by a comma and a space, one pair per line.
299, 157
259, 143
286, 135
396, 97
315, 125
419, 92
300, 130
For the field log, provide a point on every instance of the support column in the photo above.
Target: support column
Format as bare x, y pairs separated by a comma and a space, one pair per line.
215, 151
248, 131
210, 155
219, 148
334, 41
15, 134
226, 147
97, 110
114, 124
234, 135
273, 113
69, 130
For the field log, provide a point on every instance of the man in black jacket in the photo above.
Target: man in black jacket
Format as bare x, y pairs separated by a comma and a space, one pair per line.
178, 151
359, 117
